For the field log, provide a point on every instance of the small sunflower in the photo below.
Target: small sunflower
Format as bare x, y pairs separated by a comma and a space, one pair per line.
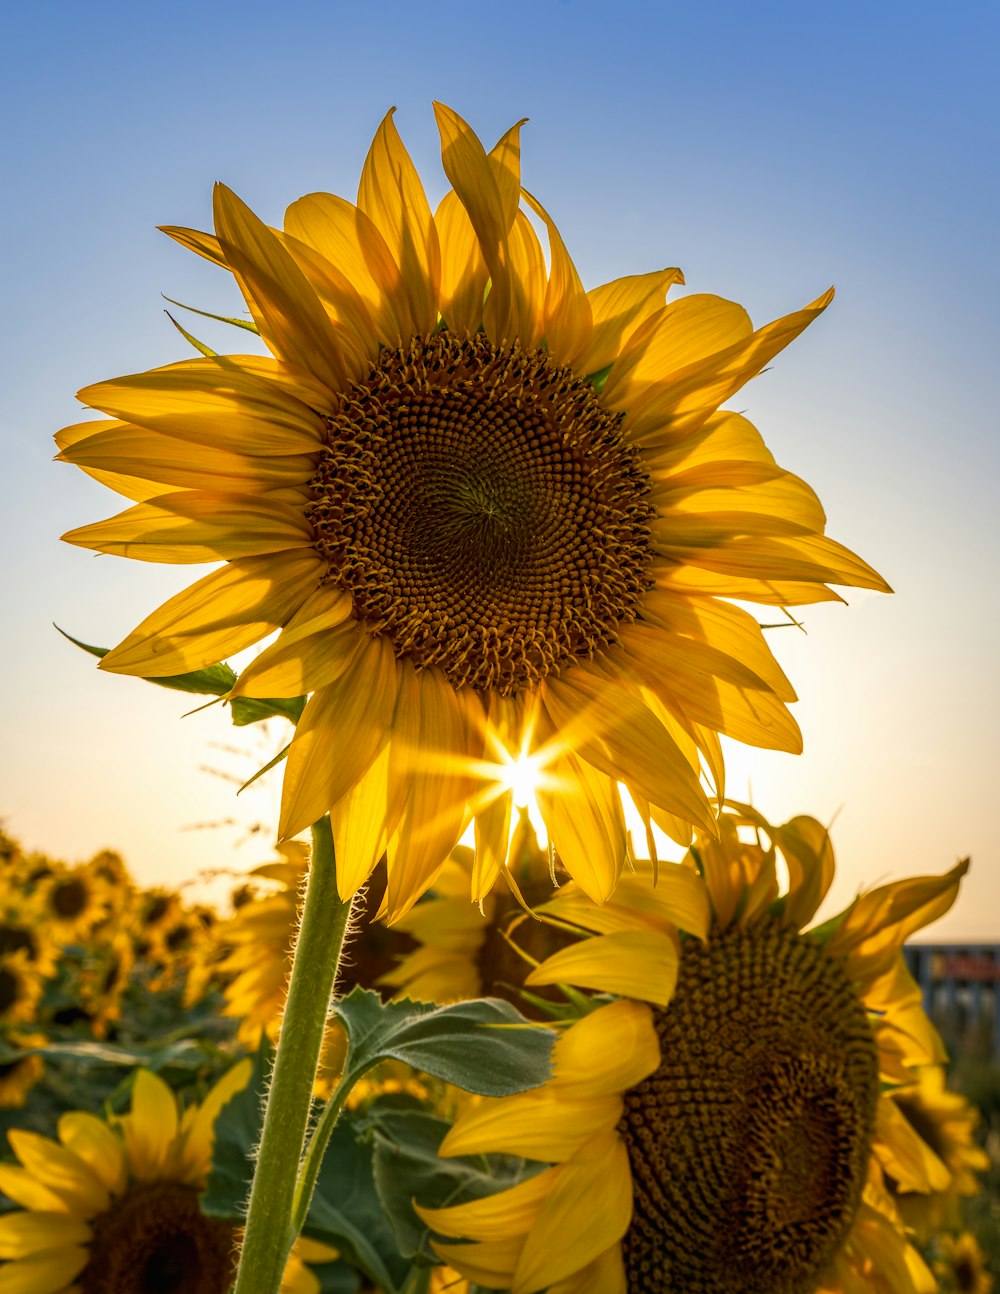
946, 1122
722, 1128
962, 1266
492, 515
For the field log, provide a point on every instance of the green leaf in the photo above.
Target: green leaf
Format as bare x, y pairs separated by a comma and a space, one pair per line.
185, 1053
407, 1168
484, 1046
252, 709
214, 680
267, 767
191, 339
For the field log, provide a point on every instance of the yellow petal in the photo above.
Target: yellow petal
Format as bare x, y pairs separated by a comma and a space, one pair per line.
639, 964
171, 461
607, 1052
492, 833
346, 237
314, 648
612, 728
195, 240
542, 1124
151, 1127
219, 402
194, 526
496, 1217
587, 1210
683, 333
805, 844
568, 323
25, 1189
91, 1138
222, 613
24, 1234
61, 1171
195, 1157
49, 1274
583, 816
605, 1275
490, 1264
391, 193
617, 309
352, 321
441, 783
287, 312
904, 1154
463, 271
355, 713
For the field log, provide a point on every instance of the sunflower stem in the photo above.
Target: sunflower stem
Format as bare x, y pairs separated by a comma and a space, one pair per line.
270, 1230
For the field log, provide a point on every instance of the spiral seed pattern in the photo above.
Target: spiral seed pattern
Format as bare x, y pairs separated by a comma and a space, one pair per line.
749, 1145
484, 511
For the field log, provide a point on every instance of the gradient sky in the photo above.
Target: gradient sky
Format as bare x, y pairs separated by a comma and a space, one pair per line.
769, 149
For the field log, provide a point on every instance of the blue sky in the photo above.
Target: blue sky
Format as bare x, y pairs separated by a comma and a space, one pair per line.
768, 149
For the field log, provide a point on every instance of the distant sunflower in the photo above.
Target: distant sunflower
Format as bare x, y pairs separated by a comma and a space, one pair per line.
113, 1208
465, 951
729, 1137
20, 1073
21, 986
946, 1122
492, 514
73, 900
962, 1266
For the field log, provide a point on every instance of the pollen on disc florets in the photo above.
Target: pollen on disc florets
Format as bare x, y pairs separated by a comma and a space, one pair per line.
749, 1146
484, 511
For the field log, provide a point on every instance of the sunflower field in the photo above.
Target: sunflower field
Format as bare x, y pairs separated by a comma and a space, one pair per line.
521, 999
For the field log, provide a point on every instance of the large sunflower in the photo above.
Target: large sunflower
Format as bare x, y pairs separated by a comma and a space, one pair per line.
492, 514
722, 1128
113, 1208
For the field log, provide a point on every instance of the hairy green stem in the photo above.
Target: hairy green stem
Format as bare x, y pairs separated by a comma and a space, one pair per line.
270, 1230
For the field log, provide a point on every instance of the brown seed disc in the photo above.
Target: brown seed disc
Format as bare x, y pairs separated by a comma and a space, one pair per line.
156, 1240
484, 511
749, 1146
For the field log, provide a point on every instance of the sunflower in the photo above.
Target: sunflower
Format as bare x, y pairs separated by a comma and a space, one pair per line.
112, 1208
21, 1073
946, 1122
721, 1128
464, 952
962, 1266
21, 987
73, 901
493, 516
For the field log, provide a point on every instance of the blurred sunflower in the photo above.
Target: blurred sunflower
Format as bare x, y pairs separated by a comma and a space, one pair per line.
73, 901
113, 1208
21, 986
729, 1137
492, 514
468, 952
23, 929
104, 978
946, 1122
20, 1073
962, 1266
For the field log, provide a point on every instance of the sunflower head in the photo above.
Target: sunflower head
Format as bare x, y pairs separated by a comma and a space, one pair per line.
728, 1121
489, 511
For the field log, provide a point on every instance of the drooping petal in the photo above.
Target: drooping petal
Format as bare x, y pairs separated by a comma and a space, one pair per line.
538, 1125
507, 1213
641, 964
583, 815
606, 1052
569, 1231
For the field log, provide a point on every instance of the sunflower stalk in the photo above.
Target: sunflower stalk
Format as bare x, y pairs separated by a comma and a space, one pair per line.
270, 1229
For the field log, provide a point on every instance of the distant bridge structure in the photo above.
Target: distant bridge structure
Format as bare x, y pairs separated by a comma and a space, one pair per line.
961, 988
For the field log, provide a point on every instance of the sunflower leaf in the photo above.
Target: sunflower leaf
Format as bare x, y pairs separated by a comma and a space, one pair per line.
407, 1168
214, 680
253, 709
485, 1046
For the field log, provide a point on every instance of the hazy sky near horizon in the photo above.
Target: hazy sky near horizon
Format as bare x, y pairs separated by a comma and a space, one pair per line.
767, 149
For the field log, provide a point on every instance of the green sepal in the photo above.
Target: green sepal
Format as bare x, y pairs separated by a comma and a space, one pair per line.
599, 379
484, 1046
213, 680
207, 314
253, 709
